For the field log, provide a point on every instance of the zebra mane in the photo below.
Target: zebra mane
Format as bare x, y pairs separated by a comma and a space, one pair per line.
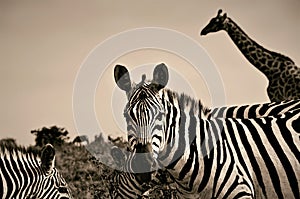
12, 149
184, 99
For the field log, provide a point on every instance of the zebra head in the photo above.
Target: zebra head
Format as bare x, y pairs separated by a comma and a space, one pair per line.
144, 111
53, 184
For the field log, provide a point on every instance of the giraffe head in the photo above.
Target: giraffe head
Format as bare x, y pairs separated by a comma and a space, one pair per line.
215, 24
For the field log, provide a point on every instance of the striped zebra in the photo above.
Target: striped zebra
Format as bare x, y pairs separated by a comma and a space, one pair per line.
26, 174
216, 158
122, 79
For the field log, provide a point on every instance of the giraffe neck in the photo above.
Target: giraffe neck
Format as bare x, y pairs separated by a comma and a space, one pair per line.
261, 58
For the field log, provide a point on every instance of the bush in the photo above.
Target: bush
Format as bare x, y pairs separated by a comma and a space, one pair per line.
53, 135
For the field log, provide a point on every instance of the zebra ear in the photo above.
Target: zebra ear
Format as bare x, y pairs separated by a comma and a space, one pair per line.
122, 78
48, 158
160, 76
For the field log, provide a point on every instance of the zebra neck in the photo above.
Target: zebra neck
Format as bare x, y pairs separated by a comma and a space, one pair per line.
27, 163
189, 156
183, 116
183, 103
186, 127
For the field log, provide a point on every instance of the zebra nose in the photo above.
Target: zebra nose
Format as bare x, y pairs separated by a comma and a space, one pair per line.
143, 148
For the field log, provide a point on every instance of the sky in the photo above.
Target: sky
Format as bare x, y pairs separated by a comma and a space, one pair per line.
45, 44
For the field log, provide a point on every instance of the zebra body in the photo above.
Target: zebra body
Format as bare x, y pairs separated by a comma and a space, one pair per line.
26, 174
213, 157
234, 158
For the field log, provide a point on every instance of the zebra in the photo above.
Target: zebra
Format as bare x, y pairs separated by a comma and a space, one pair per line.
216, 157
133, 91
122, 79
29, 173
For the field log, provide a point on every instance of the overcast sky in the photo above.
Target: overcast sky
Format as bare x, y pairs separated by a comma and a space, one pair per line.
44, 44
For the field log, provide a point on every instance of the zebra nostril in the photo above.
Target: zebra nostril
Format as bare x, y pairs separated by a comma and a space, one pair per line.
63, 190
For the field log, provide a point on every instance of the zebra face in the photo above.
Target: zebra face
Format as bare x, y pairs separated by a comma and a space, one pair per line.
215, 24
144, 112
144, 115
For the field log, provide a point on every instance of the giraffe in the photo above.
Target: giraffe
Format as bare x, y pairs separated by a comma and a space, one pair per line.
282, 73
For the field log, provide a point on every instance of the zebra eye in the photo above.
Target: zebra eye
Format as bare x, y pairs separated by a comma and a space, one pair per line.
159, 116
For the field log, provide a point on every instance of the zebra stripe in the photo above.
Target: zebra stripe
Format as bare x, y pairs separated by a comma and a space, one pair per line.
254, 110
25, 174
220, 158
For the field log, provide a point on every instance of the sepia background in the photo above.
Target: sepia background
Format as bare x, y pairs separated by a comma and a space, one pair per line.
44, 43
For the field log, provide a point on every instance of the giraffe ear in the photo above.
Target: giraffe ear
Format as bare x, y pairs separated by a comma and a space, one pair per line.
47, 158
160, 76
122, 78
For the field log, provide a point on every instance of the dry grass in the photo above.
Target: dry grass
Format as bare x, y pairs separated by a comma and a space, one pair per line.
91, 179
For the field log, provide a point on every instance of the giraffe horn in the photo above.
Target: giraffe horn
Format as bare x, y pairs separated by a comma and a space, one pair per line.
219, 12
